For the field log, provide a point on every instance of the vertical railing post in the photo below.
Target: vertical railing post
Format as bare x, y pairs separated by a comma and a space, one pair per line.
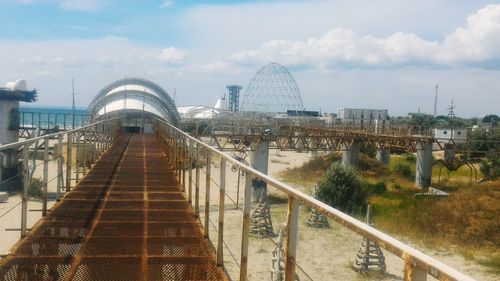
184, 163
413, 273
190, 164
291, 238
94, 144
197, 183
60, 177
78, 155
24, 197
207, 193
84, 156
246, 227
220, 234
68, 161
45, 175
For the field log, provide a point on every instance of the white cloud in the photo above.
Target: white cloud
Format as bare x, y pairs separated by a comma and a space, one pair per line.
167, 4
45, 74
218, 67
80, 5
172, 56
71, 5
477, 42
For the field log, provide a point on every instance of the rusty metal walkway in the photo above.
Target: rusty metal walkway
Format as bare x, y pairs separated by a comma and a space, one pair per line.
126, 220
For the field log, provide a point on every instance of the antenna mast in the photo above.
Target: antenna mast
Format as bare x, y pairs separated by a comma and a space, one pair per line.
73, 95
436, 100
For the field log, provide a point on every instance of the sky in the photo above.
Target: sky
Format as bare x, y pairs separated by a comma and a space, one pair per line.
358, 54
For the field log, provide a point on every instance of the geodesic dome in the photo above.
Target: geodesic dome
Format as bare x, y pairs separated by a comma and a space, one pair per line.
272, 89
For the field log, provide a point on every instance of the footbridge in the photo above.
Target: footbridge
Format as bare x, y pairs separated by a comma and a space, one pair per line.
135, 207
130, 196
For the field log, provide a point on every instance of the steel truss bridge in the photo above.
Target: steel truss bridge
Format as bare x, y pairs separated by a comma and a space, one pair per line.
310, 135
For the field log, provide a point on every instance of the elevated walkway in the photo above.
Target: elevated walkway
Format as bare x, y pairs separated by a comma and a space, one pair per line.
126, 220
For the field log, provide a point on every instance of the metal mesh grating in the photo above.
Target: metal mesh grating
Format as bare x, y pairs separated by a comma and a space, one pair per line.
126, 220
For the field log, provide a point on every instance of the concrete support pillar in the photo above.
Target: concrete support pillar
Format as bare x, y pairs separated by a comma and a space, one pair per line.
8, 158
312, 154
424, 165
384, 156
350, 154
259, 161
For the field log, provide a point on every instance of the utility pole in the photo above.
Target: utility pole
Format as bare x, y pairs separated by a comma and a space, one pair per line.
73, 95
436, 101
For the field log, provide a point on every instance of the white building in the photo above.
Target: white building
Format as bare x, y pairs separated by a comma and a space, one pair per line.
364, 116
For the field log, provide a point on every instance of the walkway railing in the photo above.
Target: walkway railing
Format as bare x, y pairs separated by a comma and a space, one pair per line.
185, 151
83, 147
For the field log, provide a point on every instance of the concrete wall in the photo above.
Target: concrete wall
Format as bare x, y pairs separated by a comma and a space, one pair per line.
6, 135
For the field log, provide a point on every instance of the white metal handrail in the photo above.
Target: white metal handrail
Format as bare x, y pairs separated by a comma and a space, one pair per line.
417, 264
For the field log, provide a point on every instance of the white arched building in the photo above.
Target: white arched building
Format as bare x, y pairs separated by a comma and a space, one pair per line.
139, 100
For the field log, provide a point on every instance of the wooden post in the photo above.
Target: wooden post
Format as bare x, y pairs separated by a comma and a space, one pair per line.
24, 197
291, 238
190, 164
84, 156
207, 193
78, 154
68, 161
220, 238
413, 273
197, 186
45, 175
60, 178
245, 227
184, 163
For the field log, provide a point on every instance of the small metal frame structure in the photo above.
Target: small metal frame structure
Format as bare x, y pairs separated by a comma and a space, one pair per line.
369, 256
279, 259
261, 222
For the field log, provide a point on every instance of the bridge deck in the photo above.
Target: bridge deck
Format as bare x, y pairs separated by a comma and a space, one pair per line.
126, 220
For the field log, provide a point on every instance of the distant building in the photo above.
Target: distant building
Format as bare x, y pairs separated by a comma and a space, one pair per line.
234, 97
303, 113
448, 134
362, 116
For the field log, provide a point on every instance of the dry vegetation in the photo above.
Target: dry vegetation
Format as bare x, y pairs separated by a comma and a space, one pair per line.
467, 221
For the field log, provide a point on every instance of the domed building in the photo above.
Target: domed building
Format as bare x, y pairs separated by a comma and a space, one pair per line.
139, 100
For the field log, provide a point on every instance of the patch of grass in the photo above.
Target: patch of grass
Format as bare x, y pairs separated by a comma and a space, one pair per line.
310, 171
403, 169
492, 262
466, 220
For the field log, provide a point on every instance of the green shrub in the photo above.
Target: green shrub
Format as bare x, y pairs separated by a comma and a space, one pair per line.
35, 189
341, 188
491, 168
403, 170
378, 187
367, 163
410, 158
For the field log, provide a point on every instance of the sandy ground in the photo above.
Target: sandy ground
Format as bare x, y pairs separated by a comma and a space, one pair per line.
12, 219
324, 254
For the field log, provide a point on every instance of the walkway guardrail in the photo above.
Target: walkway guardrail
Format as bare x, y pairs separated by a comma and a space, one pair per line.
83, 147
186, 151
